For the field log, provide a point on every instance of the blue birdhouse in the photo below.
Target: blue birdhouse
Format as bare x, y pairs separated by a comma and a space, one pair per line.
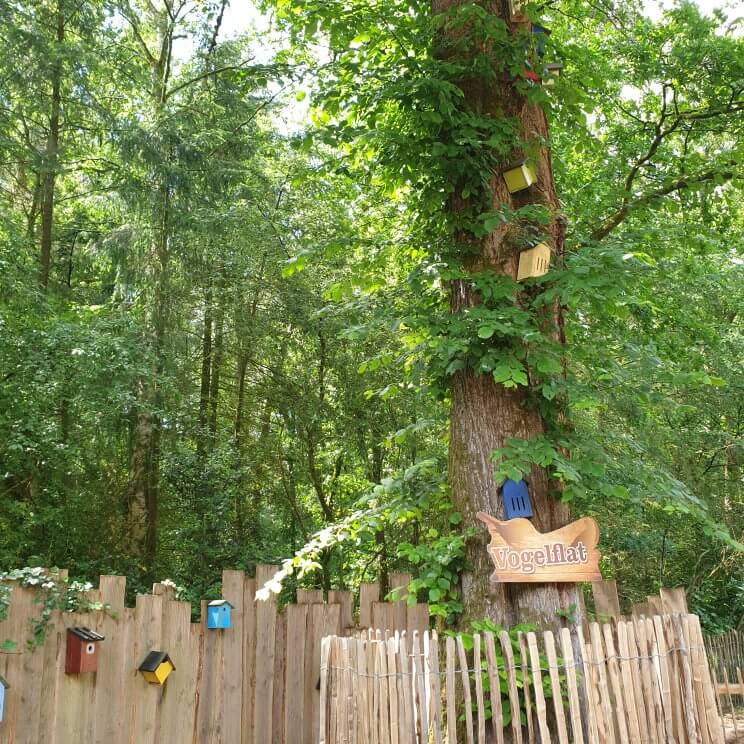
218, 614
516, 499
541, 36
3, 687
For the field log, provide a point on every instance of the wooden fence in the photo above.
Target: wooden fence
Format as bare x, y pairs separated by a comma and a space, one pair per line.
256, 683
645, 680
726, 658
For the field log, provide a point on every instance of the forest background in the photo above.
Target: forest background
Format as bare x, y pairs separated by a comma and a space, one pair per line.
222, 329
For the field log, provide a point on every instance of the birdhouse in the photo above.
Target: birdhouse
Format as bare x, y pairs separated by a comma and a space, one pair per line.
82, 650
552, 71
156, 667
3, 687
516, 11
540, 34
519, 177
534, 262
516, 498
218, 614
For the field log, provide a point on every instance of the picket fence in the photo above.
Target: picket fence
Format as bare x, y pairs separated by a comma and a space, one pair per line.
256, 683
726, 658
643, 680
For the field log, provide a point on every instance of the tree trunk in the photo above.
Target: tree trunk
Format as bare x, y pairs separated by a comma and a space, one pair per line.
214, 388
206, 367
485, 414
51, 154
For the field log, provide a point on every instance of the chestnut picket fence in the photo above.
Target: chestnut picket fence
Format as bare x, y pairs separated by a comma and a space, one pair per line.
255, 683
644, 680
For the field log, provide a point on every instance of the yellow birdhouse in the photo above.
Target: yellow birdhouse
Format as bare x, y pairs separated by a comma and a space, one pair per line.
516, 10
156, 667
520, 177
534, 262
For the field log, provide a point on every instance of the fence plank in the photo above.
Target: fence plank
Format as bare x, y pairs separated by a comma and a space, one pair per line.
494, 688
479, 688
307, 596
396, 714
368, 593
467, 697
688, 694
280, 664
652, 696
600, 661
526, 688
511, 682
233, 586
555, 685
436, 689
265, 645
572, 685
590, 687
324, 660
297, 620
606, 601
540, 707
450, 691
674, 601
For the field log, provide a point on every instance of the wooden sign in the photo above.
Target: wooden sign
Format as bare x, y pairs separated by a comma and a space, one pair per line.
522, 554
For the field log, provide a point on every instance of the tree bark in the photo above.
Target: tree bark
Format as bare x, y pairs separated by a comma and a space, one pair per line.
484, 414
206, 365
51, 154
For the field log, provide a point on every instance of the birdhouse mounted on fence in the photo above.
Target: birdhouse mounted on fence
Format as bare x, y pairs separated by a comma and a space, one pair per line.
516, 498
534, 262
156, 667
218, 614
520, 176
82, 650
3, 687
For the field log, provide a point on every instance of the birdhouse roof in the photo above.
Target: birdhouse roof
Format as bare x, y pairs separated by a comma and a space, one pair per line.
220, 602
4, 682
86, 634
153, 660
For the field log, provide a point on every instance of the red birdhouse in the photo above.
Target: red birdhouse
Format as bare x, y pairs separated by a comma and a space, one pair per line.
82, 650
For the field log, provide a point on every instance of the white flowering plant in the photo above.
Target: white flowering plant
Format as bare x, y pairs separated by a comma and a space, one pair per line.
55, 591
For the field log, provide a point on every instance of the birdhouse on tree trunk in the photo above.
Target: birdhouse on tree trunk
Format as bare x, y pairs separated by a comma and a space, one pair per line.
516, 11
156, 667
540, 34
534, 262
3, 687
218, 614
516, 498
520, 176
82, 650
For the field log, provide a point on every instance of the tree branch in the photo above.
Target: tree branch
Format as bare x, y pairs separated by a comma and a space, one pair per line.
680, 183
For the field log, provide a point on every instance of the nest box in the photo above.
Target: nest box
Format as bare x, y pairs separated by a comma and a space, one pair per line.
516, 498
3, 687
516, 10
552, 71
82, 650
218, 614
540, 34
534, 262
156, 667
519, 177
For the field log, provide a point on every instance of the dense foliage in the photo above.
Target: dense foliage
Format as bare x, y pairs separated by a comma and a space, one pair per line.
223, 335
